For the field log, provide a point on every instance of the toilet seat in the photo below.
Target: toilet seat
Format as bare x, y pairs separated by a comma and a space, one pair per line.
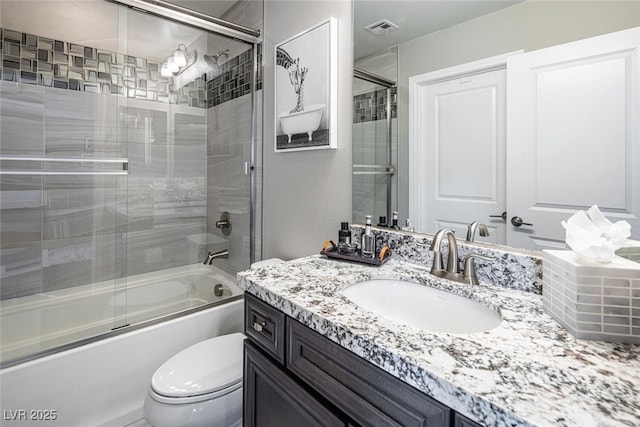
206, 370
193, 399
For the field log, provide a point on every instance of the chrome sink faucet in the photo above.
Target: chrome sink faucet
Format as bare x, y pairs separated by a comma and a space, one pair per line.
480, 227
469, 273
452, 272
452, 258
213, 255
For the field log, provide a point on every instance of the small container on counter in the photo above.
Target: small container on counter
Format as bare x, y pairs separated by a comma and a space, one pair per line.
394, 221
344, 240
368, 246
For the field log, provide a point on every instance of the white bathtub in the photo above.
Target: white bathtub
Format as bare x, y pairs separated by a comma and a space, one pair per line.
44, 321
104, 383
306, 121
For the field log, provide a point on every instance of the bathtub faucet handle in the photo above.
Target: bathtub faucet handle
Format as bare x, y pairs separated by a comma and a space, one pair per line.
224, 224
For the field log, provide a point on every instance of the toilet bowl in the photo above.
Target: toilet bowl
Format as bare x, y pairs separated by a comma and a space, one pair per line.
199, 386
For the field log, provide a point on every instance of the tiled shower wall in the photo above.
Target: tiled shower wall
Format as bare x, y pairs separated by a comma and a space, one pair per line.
372, 106
59, 231
44, 61
370, 136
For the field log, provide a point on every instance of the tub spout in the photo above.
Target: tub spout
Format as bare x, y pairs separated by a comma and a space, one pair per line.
213, 255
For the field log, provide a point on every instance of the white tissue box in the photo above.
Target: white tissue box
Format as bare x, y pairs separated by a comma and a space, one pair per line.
591, 300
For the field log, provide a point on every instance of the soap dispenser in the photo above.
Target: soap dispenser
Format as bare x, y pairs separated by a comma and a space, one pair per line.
368, 246
394, 221
407, 225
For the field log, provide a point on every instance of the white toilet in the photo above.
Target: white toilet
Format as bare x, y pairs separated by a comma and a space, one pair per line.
200, 386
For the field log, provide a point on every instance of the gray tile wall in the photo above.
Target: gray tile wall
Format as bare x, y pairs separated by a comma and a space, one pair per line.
59, 99
58, 231
44, 61
372, 106
62, 231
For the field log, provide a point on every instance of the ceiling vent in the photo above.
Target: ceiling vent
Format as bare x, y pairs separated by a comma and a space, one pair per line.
381, 28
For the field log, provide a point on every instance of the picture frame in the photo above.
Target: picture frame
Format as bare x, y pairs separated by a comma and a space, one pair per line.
306, 89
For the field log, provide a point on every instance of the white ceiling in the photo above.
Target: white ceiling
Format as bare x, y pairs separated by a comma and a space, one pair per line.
415, 18
96, 22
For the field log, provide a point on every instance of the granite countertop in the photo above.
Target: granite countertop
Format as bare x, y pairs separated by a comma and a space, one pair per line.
528, 371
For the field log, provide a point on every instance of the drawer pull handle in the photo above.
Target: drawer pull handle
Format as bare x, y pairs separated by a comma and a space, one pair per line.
257, 326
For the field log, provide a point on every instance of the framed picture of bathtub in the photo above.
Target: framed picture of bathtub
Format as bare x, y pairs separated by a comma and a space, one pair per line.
306, 89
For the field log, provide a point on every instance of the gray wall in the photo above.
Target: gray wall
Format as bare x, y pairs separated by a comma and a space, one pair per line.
528, 26
306, 194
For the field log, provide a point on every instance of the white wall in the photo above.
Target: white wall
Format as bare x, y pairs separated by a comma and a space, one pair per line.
307, 193
528, 26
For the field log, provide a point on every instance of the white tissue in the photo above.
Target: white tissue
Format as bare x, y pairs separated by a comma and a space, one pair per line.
594, 236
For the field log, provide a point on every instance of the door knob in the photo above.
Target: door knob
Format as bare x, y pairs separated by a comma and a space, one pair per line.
516, 221
503, 215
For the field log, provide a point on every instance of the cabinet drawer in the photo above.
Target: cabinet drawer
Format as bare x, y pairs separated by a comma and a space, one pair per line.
265, 326
363, 391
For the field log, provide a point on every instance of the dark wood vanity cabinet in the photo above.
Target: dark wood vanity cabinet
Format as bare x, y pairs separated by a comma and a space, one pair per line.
274, 399
294, 376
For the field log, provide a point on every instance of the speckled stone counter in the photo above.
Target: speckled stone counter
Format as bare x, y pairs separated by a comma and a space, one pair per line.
528, 371
513, 268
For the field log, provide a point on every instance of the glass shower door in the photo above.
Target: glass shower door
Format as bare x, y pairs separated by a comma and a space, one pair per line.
63, 178
115, 171
374, 142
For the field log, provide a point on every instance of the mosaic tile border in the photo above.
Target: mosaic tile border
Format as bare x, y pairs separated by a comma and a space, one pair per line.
45, 61
235, 79
372, 105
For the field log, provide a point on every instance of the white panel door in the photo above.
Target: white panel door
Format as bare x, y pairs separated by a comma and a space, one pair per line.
458, 166
573, 136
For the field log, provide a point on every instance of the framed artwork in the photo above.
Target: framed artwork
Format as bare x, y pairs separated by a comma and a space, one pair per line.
306, 89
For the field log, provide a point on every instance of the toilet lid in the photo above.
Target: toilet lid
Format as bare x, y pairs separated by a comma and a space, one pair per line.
203, 368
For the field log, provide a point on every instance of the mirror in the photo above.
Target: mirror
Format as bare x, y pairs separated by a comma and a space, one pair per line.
434, 35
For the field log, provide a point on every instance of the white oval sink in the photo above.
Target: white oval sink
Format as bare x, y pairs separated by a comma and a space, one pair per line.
422, 306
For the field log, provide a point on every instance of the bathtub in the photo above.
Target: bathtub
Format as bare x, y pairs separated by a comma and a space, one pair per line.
306, 121
104, 382
44, 321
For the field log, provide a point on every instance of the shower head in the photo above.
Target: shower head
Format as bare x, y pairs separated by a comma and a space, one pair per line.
213, 60
202, 64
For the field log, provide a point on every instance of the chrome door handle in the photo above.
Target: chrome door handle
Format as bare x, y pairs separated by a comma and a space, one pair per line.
503, 215
516, 221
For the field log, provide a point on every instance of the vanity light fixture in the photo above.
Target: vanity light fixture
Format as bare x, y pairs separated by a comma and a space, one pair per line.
197, 66
177, 62
184, 65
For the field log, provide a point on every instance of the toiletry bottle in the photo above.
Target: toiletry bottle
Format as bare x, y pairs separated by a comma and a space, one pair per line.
368, 246
394, 221
407, 225
383, 222
344, 237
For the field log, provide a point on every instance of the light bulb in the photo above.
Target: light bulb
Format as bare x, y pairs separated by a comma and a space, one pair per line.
164, 70
179, 58
171, 65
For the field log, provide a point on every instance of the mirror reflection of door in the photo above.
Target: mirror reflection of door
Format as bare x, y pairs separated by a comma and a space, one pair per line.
457, 149
572, 141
